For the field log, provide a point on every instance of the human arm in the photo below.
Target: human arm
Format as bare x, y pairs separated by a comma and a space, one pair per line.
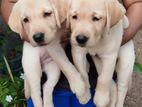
6, 8
134, 9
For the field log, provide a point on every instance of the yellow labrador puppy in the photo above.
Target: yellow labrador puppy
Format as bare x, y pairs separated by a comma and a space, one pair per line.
39, 24
97, 28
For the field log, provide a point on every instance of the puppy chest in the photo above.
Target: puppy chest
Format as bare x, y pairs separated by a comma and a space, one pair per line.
45, 58
92, 51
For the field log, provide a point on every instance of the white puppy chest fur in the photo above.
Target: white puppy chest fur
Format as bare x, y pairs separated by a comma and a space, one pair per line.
97, 28
38, 23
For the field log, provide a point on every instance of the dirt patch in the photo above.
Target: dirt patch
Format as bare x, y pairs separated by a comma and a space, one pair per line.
134, 98
138, 46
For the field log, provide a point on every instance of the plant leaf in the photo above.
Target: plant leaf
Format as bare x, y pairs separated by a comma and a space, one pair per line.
138, 68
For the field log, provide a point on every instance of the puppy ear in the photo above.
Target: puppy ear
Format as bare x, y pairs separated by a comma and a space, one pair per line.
61, 8
115, 12
56, 12
14, 21
68, 14
57, 16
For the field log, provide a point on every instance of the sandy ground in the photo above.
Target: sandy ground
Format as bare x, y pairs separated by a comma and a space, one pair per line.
138, 46
134, 98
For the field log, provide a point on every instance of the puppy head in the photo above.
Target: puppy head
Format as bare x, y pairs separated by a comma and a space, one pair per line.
35, 21
89, 20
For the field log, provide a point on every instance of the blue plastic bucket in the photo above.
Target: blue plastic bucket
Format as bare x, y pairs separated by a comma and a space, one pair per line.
65, 99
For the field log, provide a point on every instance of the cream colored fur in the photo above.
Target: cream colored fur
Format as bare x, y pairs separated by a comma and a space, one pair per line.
33, 54
102, 23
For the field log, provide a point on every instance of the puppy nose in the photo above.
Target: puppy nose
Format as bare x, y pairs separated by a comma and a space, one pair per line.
81, 39
38, 37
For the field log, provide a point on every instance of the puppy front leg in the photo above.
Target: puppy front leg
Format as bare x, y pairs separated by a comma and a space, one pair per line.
113, 94
26, 87
32, 72
53, 73
58, 55
80, 61
101, 98
113, 87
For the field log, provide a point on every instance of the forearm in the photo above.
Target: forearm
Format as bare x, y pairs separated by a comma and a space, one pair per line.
134, 15
6, 8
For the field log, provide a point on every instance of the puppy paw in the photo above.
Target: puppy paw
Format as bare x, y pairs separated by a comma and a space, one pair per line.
111, 104
85, 98
48, 105
101, 99
119, 105
78, 86
37, 103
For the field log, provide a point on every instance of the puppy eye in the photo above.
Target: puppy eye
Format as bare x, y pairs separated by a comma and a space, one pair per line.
47, 14
94, 18
74, 17
26, 20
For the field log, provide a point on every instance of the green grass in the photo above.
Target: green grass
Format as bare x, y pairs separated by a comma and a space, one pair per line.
138, 68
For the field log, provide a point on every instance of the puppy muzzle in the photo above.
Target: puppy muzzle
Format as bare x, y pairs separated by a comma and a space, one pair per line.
81, 40
39, 38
